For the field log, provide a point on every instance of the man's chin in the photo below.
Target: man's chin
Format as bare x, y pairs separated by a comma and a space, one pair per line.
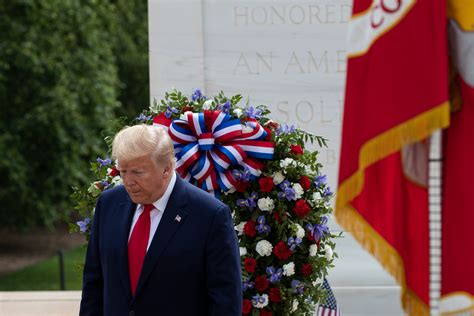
137, 198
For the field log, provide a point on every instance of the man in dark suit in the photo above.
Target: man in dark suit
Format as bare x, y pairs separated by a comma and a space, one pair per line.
159, 245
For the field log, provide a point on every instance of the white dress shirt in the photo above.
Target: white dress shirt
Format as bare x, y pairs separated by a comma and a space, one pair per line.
156, 213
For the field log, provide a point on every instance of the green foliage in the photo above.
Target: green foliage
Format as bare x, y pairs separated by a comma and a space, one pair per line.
58, 89
130, 47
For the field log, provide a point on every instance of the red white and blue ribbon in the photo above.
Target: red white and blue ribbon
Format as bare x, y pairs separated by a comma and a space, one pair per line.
207, 146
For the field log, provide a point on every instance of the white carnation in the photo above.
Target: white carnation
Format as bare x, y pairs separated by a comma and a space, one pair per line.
243, 251
240, 228
207, 105
237, 112
328, 252
117, 180
313, 250
316, 197
299, 231
308, 171
264, 248
266, 204
278, 178
298, 190
295, 305
287, 162
289, 269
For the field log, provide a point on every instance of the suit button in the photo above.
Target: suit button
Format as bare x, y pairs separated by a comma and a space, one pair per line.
131, 313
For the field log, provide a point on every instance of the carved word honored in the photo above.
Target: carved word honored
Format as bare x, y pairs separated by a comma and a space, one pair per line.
293, 14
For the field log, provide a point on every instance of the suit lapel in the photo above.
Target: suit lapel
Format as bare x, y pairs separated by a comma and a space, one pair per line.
173, 218
127, 210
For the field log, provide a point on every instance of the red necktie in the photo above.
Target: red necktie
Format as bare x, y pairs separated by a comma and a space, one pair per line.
137, 245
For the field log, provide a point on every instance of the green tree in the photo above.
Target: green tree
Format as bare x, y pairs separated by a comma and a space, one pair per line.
58, 89
131, 51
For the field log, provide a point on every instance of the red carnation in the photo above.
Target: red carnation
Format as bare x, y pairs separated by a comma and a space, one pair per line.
265, 312
296, 149
276, 216
246, 307
266, 184
242, 186
250, 264
114, 172
269, 133
274, 295
261, 283
301, 208
305, 182
306, 269
249, 229
282, 251
309, 236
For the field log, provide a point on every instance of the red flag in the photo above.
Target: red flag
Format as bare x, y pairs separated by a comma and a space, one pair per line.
457, 262
396, 97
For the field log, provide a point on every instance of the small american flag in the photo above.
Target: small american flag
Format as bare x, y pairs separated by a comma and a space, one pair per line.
328, 307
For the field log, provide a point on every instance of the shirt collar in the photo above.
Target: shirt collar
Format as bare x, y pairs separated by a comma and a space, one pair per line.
161, 203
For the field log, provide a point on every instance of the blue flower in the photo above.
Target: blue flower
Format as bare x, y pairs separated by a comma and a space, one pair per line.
225, 107
249, 202
253, 113
84, 225
288, 192
105, 184
293, 242
143, 118
297, 286
197, 95
241, 175
319, 230
169, 111
320, 180
259, 301
246, 284
262, 228
104, 162
285, 129
274, 275
327, 192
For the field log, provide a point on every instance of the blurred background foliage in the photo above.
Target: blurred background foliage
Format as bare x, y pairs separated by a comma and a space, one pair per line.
67, 68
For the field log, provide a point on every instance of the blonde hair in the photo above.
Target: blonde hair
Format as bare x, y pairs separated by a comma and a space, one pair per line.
140, 140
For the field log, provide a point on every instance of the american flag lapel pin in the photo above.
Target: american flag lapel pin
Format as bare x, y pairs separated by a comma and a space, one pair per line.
177, 218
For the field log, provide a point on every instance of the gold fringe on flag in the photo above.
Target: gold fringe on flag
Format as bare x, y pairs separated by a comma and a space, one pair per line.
381, 146
466, 311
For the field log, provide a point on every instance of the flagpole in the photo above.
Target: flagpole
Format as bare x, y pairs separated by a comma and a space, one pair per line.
435, 187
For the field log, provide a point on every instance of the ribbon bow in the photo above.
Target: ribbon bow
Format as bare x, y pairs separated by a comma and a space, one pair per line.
208, 144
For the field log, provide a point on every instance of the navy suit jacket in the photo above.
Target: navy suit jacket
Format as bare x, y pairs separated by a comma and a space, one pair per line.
192, 266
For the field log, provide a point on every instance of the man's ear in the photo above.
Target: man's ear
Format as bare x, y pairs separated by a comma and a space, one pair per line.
167, 170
